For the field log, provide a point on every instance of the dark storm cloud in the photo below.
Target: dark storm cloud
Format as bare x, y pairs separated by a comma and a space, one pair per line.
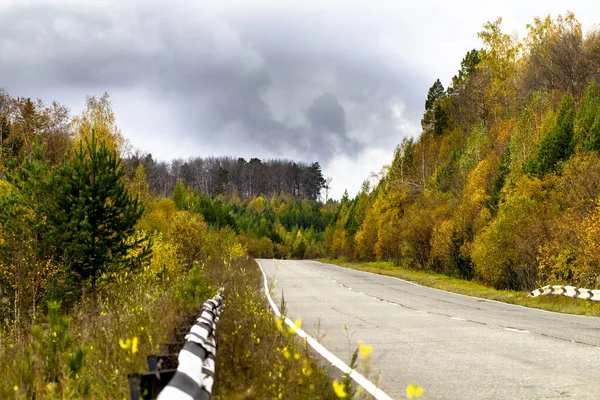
302, 92
325, 113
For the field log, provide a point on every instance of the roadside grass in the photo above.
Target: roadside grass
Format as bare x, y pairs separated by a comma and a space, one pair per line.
258, 356
90, 352
560, 304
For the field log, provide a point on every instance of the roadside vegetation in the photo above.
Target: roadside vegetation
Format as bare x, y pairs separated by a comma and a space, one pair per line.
96, 271
471, 288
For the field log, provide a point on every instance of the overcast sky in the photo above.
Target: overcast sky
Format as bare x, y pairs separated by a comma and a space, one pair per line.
338, 82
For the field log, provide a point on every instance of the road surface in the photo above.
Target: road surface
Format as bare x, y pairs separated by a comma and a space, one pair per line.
454, 346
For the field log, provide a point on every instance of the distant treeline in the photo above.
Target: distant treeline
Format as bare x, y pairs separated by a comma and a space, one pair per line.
232, 176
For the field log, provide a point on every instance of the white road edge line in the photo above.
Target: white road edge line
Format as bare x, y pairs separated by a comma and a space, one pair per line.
515, 330
342, 366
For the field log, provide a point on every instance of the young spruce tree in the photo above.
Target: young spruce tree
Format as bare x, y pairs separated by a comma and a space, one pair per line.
96, 218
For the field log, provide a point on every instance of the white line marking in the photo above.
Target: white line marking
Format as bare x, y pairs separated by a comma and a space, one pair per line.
357, 377
421, 312
458, 319
515, 330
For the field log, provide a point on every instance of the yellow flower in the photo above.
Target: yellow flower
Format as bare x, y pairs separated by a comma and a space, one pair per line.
297, 325
286, 352
15, 388
413, 391
296, 356
134, 345
365, 351
339, 389
279, 324
125, 344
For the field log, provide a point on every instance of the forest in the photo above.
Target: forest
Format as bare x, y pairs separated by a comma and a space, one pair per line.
500, 187
96, 269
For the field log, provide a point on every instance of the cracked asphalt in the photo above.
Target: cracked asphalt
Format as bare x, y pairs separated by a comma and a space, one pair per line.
454, 346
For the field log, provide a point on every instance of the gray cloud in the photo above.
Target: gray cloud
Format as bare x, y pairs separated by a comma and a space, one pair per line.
281, 84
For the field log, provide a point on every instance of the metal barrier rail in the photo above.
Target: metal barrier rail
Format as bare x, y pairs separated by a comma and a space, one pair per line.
190, 375
570, 291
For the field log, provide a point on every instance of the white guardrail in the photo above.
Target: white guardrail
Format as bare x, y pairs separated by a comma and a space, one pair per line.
570, 291
196, 370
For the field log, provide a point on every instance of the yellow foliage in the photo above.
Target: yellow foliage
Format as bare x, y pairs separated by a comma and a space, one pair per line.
366, 237
99, 118
158, 216
257, 204
478, 187
440, 240
189, 233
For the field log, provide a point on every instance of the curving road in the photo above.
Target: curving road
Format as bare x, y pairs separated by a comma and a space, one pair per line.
452, 345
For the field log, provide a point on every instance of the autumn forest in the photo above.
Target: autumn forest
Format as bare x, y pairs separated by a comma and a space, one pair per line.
502, 187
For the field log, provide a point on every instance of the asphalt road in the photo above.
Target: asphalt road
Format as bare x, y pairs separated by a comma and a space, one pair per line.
454, 346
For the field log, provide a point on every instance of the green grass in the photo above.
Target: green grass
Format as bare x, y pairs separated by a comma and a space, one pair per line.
561, 304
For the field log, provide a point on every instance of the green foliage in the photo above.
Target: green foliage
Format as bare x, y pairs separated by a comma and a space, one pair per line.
500, 180
587, 123
435, 92
56, 341
468, 67
440, 119
95, 214
557, 144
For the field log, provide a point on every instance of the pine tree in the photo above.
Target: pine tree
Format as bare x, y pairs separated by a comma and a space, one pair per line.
96, 216
557, 144
435, 92
587, 123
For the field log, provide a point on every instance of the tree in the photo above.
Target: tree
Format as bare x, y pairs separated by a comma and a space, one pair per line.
222, 181
468, 66
98, 119
96, 216
557, 144
587, 123
435, 92
26, 251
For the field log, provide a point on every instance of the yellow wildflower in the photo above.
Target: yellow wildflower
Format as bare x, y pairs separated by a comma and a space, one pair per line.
125, 344
297, 325
365, 351
413, 391
339, 389
134, 345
